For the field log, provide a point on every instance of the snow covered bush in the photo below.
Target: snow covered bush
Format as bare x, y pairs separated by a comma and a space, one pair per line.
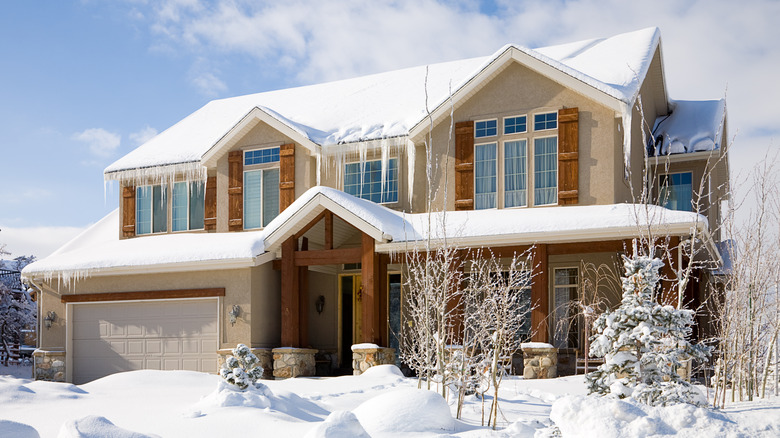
644, 343
242, 369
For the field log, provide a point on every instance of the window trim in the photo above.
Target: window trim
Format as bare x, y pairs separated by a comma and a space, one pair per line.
553, 307
525, 131
494, 119
545, 113
499, 186
188, 184
533, 167
164, 195
397, 183
262, 167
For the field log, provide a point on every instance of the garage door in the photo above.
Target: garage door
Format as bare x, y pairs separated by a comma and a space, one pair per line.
155, 335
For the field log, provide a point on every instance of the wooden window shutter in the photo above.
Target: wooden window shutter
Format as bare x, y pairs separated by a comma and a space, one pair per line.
236, 191
128, 211
568, 156
464, 165
286, 175
210, 208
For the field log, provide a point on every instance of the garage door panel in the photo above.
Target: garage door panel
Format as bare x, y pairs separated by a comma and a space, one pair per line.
170, 335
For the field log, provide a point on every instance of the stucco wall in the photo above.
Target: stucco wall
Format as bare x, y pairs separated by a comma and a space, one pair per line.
323, 328
266, 310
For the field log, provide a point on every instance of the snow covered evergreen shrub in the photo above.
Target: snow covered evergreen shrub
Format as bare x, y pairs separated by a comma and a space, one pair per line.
644, 343
242, 369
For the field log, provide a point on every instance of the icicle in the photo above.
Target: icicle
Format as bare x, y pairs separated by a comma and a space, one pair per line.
191, 171
410, 158
626, 110
319, 167
385, 162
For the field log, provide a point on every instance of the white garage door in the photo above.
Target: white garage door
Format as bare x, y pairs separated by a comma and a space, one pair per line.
155, 335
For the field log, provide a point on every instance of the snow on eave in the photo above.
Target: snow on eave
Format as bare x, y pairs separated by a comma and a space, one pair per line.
692, 127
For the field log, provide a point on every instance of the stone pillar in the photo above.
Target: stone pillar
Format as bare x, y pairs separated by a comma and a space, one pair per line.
293, 362
263, 354
364, 356
49, 365
540, 360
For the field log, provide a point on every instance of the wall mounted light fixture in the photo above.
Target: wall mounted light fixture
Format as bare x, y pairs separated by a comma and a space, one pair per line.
320, 304
49, 319
233, 314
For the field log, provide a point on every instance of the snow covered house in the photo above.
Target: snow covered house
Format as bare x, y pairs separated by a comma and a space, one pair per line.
277, 219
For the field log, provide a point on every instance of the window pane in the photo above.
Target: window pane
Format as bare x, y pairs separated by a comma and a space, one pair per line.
545, 121
352, 179
677, 191
143, 210
261, 156
515, 174
485, 176
545, 171
364, 180
513, 125
197, 204
270, 195
159, 209
390, 193
252, 199
485, 128
179, 206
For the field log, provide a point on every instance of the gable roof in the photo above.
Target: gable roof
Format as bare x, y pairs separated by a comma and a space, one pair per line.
390, 104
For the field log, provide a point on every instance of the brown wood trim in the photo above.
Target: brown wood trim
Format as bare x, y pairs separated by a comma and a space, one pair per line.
235, 190
568, 115
328, 256
287, 185
328, 229
540, 295
464, 167
586, 247
568, 194
283, 151
567, 156
466, 204
128, 228
308, 226
236, 222
144, 295
210, 204
290, 295
369, 272
128, 211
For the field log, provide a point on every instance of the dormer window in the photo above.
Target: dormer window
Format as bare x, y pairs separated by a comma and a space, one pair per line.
261, 187
364, 180
676, 191
485, 128
151, 209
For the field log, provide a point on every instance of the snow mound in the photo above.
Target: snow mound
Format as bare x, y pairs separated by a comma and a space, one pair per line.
339, 424
226, 396
17, 430
587, 416
524, 428
382, 371
405, 410
94, 426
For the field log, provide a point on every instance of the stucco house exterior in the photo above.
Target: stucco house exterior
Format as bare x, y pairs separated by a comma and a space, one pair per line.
279, 219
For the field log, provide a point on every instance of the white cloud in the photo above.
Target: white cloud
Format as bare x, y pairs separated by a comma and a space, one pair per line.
144, 135
38, 241
208, 84
101, 142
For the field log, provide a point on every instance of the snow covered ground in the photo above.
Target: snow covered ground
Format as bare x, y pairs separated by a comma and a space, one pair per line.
380, 403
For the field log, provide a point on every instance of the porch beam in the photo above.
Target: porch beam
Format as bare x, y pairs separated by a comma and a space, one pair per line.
370, 297
587, 247
540, 294
328, 256
328, 229
290, 295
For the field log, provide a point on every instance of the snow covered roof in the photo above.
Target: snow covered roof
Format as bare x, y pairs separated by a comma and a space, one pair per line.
388, 104
99, 249
692, 126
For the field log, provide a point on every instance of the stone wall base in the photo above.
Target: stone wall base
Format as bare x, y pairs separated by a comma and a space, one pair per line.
293, 362
263, 354
365, 357
49, 365
540, 362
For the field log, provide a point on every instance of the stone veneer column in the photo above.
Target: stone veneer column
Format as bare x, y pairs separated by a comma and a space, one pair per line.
263, 354
49, 365
365, 356
540, 361
294, 362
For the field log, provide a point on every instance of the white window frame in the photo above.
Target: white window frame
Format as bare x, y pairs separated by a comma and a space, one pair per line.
498, 192
494, 119
532, 156
262, 167
539, 113
514, 117
397, 175
188, 214
668, 174
164, 195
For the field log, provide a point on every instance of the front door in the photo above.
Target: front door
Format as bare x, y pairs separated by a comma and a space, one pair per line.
351, 290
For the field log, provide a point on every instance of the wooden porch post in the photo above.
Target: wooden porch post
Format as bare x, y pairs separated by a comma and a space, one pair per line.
384, 339
370, 274
540, 295
290, 295
303, 299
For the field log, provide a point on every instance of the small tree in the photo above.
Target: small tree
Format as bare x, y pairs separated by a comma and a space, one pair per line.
644, 342
242, 369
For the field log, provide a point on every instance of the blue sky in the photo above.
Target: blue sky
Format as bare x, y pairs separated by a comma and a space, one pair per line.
84, 82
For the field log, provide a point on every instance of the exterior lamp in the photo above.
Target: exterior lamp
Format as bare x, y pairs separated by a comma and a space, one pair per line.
233, 314
320, 304
49, 319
